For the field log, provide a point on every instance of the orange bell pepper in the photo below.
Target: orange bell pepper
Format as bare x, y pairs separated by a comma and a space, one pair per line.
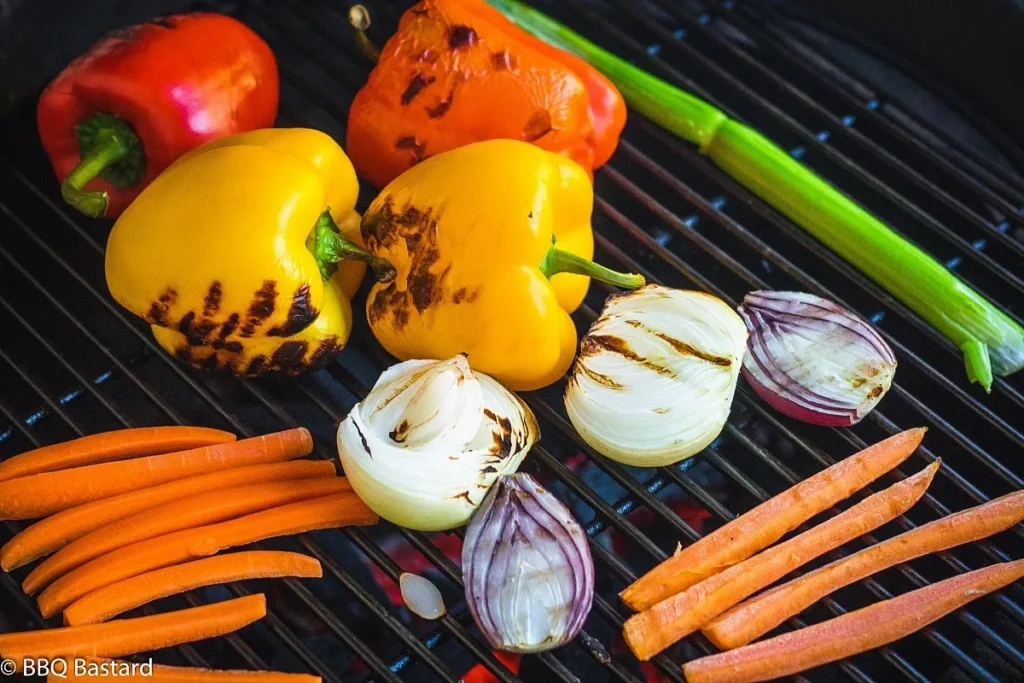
457, 72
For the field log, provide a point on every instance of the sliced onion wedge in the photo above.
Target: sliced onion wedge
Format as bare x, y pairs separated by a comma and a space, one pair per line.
812, 359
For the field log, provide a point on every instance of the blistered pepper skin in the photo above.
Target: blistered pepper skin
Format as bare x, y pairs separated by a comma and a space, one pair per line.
458, 72
467, 231
212, 254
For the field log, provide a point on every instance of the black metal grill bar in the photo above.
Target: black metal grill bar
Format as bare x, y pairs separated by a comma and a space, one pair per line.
807, 138
841, 128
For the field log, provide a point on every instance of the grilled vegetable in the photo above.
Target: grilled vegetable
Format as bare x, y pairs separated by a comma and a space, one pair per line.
851, 633
184, 513
130, 636
769, 521
814, 360
427, 442
42, 494
758, 615
458, 72
656, 374
116, 445
117, 598
528, 570
56, 531
492, 243
650, 632
328, 512
231, 253
141, 97
989, 339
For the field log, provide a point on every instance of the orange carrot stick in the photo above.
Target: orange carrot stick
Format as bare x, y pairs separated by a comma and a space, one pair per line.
38, 495
130, 636
122, 596
132, 672
187, 513
115, 445
760, 614
56, 531
321, 513
769, 521
650, 632
851, 633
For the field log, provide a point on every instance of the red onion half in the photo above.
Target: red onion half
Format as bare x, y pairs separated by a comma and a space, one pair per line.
527, 567
812, 359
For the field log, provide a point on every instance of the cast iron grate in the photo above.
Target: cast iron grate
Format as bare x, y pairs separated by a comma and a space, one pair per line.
72, 362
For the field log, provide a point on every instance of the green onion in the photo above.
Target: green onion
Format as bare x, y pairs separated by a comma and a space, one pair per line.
989, 339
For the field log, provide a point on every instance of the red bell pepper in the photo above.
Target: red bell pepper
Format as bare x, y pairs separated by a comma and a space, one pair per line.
143, 96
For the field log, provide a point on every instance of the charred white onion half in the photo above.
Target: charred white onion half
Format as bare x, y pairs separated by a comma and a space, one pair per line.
428, 441
656, 374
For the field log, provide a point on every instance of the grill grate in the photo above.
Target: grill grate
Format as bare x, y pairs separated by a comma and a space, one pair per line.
71, 362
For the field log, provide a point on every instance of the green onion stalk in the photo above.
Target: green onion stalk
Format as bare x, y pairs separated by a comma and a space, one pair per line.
989, 339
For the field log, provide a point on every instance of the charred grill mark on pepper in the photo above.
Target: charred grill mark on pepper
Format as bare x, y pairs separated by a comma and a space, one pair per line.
325, 352
460, 36
159, 309
538, 125
384, 229
463, 295
228, 328
211, 302
410, 143
503, 61
416, 85
196, 334
289, 358
442, 107
261, 308
256, 365
301, 314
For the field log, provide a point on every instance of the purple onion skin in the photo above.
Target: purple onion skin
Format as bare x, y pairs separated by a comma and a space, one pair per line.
763, 312
519, 516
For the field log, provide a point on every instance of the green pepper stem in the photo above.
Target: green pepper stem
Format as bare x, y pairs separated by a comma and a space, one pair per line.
359, 18
561, 261
103, 141
328, 247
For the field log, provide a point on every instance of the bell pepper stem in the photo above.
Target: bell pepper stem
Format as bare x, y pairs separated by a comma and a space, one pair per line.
328, 247
109, 147
561, 261
359, 18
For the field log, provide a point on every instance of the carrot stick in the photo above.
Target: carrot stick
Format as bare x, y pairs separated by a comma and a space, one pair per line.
186, 513
56, 531
132, 672
751, 619
115, 445
38, 495
122, 596
650, 632
769, 521
130, 636
851, 633
321, 513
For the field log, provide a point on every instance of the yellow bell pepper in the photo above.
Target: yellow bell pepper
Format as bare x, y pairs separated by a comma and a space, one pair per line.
472, 235
230, 253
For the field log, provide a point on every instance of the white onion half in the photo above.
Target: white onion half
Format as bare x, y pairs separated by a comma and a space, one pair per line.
428, 441
656, 374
